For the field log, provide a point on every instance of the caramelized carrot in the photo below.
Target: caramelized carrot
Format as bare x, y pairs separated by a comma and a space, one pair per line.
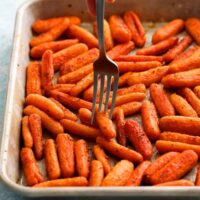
197, 181
123, 79
140, 88
85, 116
176, 183
65, 88
197, 91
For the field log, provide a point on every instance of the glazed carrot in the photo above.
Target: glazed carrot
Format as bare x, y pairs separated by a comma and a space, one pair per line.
123, 79
65, 88
140, 88
82, 35
65, 148
120, 122
180, 137
128, 108
52, 34
119, 175
48, 123
179, 48
37, 51
150, 120
102, 157
107, 34
79, 61
96, 173
82, 85
197, 181
176, 168
159, 48
71, 102
197, 91
33, 81
82, 158
148, 77
136, 177
65, 182
139, 58
135, 26
192, 99
36, 132
166, 146
119, 30
190, 62
43, 25
30, 168
26, 133
136, 66
51, 159
85, 116
168, 30
188, 125
158, 164
121, 49
189, 78
119, 150
80, 129
64, 55
67, 113
176, 183
77, 75
46, 105
182, 106
192, 26
105, 125
138, 139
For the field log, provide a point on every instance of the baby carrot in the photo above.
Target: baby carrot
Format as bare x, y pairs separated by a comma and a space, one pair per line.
197, 91
123, 79
197, 181
65, 88
85, 116
140, 88
181, 182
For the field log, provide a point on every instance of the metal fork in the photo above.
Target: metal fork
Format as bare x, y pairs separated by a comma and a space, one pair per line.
103, 66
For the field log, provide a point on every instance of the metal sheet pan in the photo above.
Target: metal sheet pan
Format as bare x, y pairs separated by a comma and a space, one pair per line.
149, 11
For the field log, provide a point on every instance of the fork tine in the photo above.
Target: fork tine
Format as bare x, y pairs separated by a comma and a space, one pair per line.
94, 95
108, 92
115, 87
101, 91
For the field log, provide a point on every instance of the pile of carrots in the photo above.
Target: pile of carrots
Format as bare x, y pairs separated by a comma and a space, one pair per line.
57, 114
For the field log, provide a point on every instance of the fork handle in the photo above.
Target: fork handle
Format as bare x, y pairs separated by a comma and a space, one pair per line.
100, 26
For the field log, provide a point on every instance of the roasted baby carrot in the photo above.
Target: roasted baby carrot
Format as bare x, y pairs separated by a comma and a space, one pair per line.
37, 51
85, 116
80, 129
64, 55
137, 176
164, 146
159, 48
82, 158
26, 133
105, 125
120, 123
51, 159
65, 88
102, 157
82, 35
192, 26
135, 26
119, 30
77, 75
52, 34
148, 77
123, 79
180, 124
67, 113
182, 106
181, 182
197, 91
30, 168
140, 88
119, 150
33, 78
176, 168
138, 139
48, 123
197, 180
36, 132
46, 105
96, 173
107, 34
150, 120
168, 30
180, 137
65, 148
119, 175
79, 61
65, 182
136, 66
